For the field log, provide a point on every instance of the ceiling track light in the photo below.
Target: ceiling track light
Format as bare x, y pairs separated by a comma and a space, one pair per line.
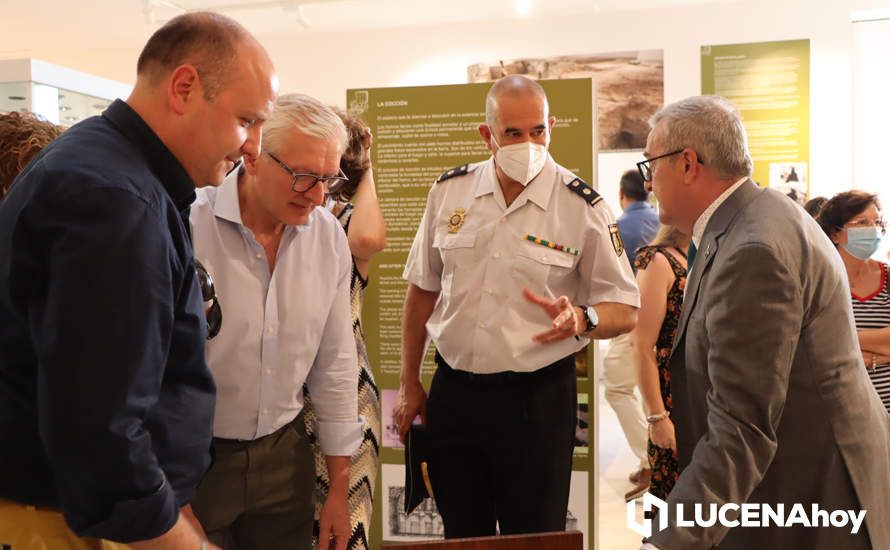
524, 7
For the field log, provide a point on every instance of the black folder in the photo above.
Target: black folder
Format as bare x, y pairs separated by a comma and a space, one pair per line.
417, 475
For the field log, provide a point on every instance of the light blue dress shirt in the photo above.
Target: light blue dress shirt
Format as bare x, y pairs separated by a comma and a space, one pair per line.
637, 226
279, 329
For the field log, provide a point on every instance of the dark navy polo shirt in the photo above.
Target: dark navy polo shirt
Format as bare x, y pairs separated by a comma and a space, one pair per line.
106, 403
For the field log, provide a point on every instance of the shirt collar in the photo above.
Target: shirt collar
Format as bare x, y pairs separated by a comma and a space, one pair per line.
226, 205
537, 191
486, 183
638, 205
702, 222
162, 162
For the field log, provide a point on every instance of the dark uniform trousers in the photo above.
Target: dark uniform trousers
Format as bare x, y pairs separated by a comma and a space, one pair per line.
259, 494
502, 448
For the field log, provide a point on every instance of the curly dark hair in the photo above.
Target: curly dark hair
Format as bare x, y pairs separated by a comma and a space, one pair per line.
22, 136
814, 205
355, 161
842, 208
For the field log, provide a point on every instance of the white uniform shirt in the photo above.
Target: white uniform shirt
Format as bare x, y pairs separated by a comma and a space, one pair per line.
481, 322
280, 329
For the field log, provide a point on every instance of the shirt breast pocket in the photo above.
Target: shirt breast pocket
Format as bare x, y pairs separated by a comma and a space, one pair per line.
458, 252
540, 267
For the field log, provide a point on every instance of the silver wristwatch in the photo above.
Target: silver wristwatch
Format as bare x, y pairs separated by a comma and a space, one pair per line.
590, 317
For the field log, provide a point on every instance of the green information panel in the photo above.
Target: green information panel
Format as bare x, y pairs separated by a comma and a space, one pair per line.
419, 133
769, 82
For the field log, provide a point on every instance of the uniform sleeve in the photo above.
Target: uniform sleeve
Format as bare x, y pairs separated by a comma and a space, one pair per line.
424, 265
606, 275
91, 273
333, 379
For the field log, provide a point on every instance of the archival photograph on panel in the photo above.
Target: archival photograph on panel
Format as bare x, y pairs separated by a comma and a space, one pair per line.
388, 400
790, 178
629, 85
582, 426
424, 523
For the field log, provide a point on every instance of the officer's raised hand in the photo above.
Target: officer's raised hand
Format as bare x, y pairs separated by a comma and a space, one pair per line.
567, 319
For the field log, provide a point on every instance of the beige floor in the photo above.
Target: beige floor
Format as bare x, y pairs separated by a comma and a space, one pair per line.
615, 462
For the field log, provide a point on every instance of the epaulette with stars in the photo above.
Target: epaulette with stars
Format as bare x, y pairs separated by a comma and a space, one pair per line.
461, 170
583, 190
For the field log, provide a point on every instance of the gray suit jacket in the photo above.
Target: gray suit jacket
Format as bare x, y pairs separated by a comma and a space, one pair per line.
772, 403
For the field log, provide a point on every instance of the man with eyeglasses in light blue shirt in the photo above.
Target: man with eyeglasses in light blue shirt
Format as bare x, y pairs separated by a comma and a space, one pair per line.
282, 272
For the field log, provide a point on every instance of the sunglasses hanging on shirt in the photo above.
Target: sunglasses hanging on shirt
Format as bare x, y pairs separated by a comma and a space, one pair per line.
208, 294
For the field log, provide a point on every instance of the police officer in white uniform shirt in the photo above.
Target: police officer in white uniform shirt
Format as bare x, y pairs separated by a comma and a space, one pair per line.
515, 265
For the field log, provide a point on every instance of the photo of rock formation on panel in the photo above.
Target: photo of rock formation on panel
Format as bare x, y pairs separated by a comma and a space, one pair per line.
629, 85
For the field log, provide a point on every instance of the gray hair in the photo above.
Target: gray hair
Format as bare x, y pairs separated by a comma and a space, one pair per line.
513, 85
711, 126
308, 116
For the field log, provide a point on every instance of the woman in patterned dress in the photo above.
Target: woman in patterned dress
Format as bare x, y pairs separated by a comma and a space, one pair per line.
356, 206
661, 276
852, 220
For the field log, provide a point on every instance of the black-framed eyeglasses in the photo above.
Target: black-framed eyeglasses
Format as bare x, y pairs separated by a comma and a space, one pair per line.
304, 182
645, 167
208, 294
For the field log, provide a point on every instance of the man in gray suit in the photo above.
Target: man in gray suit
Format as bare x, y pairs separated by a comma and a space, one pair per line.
772, 403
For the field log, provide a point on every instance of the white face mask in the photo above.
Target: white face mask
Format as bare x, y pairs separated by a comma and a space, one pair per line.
521, 161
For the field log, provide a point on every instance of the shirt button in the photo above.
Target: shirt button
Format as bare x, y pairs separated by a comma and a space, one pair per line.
268, 371
271, 329
496, 255
488, 290
482, 324
259, 255
265, 411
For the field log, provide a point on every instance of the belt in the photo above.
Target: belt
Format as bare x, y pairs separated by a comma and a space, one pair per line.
505, 378
243, 443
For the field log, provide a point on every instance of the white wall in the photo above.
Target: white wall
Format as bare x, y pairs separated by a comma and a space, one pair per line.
325, 64
871, 112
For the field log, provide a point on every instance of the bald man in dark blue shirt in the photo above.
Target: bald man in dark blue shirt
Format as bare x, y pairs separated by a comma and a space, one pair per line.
106, 403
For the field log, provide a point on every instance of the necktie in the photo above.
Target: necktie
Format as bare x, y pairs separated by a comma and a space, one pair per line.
690, 256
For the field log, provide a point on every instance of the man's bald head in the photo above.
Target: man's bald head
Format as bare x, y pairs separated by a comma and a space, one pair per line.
514, 86
208, 41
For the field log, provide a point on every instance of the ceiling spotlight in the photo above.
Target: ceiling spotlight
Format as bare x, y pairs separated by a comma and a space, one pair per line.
64, 108
524, 7
100, 105
70, 118
17, 97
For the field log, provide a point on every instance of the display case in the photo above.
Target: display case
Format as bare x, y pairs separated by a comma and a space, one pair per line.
58, 94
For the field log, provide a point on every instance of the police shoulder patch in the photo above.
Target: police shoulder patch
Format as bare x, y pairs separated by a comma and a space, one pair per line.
456, 171
615, 235
586, 192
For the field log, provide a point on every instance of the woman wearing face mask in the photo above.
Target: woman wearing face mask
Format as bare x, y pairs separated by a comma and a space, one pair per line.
852, 220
